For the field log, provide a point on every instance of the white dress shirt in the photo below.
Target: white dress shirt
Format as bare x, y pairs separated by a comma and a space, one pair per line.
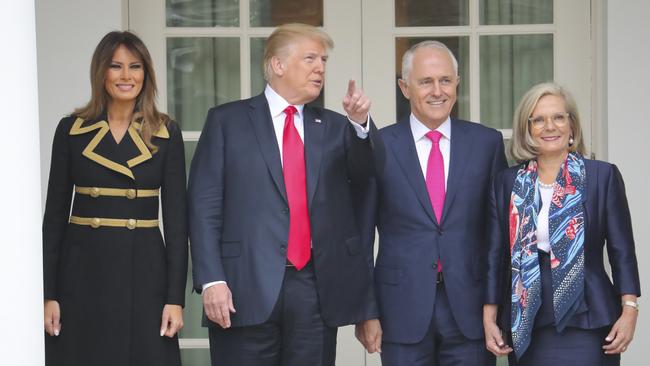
543, 235
277, 105
423, 144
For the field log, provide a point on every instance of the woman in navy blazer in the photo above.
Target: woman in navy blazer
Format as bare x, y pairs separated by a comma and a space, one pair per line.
552, 215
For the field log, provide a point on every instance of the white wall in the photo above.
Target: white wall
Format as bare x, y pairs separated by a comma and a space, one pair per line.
67, 32
628, 128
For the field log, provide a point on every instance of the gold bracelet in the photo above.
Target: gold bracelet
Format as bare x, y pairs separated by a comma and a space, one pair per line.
631, 304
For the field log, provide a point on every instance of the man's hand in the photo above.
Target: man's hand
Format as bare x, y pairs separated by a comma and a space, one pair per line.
369, 334
356, 104
217, 302
52, 317
172, 320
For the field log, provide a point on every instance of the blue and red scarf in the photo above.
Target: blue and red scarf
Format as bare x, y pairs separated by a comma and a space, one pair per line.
566, 233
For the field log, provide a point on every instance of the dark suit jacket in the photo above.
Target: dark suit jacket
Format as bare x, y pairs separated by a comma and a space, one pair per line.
239, 214
607, 221
411, 240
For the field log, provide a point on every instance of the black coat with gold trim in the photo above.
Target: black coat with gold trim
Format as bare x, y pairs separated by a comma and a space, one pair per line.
111, 271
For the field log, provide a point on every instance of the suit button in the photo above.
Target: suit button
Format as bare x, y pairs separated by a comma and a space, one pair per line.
440, 232
131, 224
283, 247
95, 192
130, 193
435, 265
95, 223
285, 211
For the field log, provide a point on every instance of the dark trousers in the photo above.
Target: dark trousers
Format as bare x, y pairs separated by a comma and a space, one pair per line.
294, 335
443, 345
572, 347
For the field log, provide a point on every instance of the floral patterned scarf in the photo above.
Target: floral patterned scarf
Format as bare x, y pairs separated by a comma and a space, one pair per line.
566, 233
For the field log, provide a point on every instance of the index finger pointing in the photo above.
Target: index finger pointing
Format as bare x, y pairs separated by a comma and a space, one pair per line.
351, 87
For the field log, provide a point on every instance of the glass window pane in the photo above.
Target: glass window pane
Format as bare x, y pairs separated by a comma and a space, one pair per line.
516, 12
510, 65
195, 357
271, 13
459, 46
190, 148
193, 311
257, 72
427, 13
202, 72
511, 161
202, 13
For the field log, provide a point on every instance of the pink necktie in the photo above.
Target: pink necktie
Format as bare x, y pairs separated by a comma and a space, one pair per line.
436, 178
293, 167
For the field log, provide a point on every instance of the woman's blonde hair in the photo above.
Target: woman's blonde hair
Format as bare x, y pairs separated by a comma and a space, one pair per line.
283, 36
522, 146
145, 104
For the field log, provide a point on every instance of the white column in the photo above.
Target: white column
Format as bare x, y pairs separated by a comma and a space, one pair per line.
21, 303
628, 78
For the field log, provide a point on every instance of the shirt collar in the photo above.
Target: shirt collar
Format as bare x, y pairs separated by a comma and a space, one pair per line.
419, 130
277, 104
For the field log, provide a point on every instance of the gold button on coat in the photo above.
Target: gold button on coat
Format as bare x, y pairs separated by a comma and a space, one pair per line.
131, 224
94, 192
130, 193
95, 223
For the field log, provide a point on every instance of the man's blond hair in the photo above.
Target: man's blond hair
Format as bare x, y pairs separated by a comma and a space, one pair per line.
284, 36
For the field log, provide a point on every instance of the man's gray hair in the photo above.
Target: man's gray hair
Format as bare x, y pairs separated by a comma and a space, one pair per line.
407, 59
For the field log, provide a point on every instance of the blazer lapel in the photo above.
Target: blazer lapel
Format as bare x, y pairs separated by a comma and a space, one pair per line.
403, 148
260, 119
461, 144
313, 141
81, 127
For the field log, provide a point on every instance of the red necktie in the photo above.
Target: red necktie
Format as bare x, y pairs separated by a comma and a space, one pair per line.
293, 167
436, 178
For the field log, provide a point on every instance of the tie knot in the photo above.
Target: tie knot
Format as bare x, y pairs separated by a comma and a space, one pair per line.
290, 110
434, 136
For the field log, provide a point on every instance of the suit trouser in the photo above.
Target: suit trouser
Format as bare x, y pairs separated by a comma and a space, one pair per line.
573, 346
294, 334
443, 345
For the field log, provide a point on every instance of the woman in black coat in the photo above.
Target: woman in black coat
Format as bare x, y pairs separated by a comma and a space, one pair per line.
552, 217
114, 290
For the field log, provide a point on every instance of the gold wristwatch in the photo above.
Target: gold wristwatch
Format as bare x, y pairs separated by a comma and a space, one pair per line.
632, 304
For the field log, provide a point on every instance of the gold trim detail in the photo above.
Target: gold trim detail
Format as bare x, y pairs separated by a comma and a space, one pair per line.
96, 222
162, 132
104, 128
145, 154
117, 192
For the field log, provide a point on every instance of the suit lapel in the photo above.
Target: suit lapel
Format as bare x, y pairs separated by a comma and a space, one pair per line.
403, 148
459, 157
313, 141
260, 119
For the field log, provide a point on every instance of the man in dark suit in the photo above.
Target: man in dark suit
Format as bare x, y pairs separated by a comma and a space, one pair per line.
275, 244
429, 205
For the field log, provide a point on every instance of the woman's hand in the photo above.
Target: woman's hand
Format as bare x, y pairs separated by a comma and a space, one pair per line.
172, 320
620, 337
52, 317
493, 337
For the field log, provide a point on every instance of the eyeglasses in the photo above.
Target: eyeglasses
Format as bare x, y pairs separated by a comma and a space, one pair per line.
559, 120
